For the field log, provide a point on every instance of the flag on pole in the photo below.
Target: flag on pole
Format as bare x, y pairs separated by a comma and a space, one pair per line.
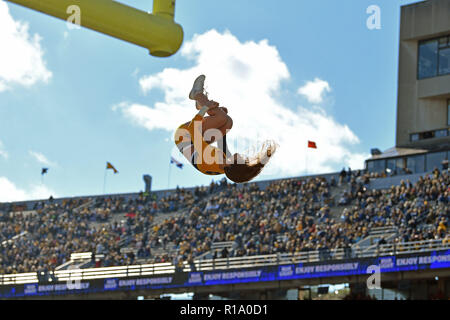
312, 144
44, 171
177, 163
110, 166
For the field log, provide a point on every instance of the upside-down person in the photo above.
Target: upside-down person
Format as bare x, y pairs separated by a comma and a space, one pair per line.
194, 140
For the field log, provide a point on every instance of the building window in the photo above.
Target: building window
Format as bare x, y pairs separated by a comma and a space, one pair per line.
428, 59
396, 166
390, 166
416, 163
376, 165
444, 61
434, 160
441, 133
448, 112
414, 137
434, 58
400, 165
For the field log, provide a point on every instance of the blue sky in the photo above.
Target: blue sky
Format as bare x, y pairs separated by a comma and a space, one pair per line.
313, 71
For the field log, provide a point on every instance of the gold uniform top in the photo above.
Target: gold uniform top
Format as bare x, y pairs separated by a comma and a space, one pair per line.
191, 150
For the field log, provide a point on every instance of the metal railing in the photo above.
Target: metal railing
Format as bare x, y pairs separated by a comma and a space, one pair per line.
231, 263
13, 239
322, 255
221, 245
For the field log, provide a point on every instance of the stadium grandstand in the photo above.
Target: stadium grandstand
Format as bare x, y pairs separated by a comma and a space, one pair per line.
336, 217
294, 237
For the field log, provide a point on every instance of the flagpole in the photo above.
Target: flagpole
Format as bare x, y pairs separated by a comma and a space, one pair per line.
104, 181
306, 160
168, 176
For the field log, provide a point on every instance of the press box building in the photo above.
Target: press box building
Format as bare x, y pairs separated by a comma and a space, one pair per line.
423, 106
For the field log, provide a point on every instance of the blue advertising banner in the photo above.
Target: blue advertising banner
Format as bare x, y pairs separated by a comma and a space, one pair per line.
421, 261
430, 260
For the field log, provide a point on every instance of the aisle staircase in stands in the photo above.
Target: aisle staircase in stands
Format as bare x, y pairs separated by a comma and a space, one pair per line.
388, 233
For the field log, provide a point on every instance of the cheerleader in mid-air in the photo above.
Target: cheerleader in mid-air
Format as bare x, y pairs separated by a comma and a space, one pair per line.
194, 139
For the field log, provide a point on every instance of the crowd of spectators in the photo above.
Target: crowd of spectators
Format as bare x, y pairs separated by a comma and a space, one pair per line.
290, 215
47, 236
294, 216
44, 236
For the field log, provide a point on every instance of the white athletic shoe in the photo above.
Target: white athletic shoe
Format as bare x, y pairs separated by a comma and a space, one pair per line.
197, 87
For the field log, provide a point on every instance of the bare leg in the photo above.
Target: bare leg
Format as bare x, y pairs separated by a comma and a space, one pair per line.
227, 126
218, 117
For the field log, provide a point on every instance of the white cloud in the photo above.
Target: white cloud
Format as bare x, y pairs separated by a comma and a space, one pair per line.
21, 55
245, 77
39, 157
9, 192
314, 90
3, 152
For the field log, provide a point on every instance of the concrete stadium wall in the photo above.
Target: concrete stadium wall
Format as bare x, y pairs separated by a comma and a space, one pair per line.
386, 183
